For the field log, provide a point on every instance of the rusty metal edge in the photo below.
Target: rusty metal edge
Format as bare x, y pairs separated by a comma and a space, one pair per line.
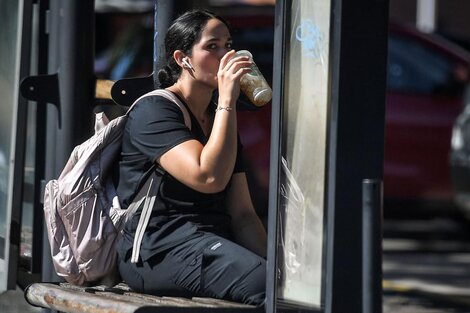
48, 295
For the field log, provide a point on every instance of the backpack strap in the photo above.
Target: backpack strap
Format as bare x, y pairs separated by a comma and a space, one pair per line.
170, 96
149, 190
148, 194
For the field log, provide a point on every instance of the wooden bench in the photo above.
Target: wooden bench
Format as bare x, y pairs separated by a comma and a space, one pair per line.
120, 299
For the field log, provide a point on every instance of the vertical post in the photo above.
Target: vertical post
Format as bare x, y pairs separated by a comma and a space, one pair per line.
372, 246
165, 12
41, 58
163, 16
357, 118
76, 73
52, 118
274, 174
426, 15
71, 55
18, 145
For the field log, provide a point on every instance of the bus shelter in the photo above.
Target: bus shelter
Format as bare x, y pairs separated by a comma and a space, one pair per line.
326, 145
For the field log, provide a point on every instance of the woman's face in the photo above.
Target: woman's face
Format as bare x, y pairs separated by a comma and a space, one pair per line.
214, 43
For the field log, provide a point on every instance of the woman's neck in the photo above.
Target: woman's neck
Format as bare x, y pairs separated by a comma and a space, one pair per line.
197, 98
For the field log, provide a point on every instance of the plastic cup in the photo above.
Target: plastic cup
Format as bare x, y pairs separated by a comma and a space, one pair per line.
253, 84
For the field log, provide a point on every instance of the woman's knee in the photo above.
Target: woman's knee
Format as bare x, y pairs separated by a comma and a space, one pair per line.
252, 287
230, 271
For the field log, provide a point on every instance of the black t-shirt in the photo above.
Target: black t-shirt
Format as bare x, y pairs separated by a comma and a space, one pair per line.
154, 126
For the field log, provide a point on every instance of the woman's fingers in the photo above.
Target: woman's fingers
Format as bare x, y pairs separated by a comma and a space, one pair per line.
231, 61
225, 59
234, 66
242, 71
231, 69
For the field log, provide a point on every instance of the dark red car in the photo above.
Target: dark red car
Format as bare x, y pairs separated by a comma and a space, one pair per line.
426, 79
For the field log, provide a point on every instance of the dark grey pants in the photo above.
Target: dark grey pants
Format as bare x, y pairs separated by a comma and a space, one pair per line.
207, 266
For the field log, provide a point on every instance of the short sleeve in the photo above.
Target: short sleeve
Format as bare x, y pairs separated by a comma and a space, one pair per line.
156, 125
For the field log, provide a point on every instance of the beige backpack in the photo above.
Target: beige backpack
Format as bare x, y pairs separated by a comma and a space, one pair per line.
82, 211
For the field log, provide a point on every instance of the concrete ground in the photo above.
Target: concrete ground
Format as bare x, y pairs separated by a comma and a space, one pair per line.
13, 301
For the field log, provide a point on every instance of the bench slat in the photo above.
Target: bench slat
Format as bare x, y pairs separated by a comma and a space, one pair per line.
54, 297
120, 299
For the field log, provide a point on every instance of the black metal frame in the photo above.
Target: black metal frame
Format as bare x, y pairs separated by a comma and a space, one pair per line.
19, 148
357, 102
334, 55
38, 8
40, 160
276, 131
360, 33
33, 18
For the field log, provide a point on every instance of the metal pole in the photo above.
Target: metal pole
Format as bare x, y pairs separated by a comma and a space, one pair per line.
165, 12
426, 13
19, 146
163, 17
372, 246
71, 55
52, 117
40, 148
76, 75
281, 14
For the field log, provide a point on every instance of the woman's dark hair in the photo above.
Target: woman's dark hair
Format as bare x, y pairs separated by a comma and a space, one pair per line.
182, 35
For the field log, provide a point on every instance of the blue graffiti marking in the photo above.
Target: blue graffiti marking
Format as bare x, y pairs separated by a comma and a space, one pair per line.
310, 37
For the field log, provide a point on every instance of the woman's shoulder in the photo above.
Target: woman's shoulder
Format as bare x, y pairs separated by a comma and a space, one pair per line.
154, 106
153, 102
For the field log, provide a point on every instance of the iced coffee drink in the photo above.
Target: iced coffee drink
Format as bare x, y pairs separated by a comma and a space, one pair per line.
253, 84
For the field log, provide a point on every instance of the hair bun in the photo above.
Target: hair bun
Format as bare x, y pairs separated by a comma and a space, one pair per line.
165, 78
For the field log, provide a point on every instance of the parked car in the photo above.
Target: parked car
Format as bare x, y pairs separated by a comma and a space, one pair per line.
426, 80
424, 96
460, 158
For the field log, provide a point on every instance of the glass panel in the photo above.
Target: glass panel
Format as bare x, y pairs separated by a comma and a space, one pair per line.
303, 156
8, 90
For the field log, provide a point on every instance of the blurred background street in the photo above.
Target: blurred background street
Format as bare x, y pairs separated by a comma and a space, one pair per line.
426, 261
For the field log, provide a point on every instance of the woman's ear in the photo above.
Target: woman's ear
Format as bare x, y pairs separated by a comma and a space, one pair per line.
178, 55
182, 60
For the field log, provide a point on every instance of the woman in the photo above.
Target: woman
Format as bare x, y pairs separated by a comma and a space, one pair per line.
204, 237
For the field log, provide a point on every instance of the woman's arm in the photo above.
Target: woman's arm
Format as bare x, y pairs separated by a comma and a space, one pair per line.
209, 168
246, 225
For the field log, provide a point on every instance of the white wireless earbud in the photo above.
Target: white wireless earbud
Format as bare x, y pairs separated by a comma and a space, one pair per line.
185, 62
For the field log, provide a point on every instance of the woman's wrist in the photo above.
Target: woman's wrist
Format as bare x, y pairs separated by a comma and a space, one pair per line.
226, 108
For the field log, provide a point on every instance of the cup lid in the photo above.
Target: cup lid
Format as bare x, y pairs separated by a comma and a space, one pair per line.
244, 52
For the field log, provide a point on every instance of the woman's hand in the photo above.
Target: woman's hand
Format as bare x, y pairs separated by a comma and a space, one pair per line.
231, 69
